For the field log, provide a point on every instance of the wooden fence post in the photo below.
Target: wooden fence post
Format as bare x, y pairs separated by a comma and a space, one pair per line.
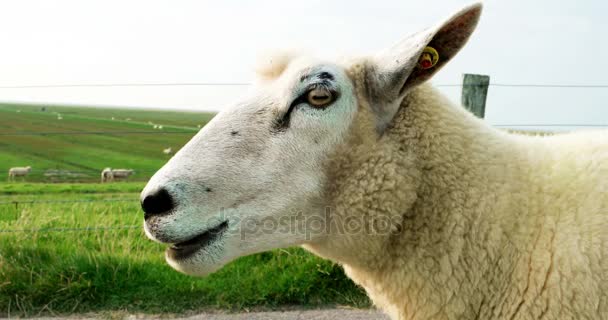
474, 93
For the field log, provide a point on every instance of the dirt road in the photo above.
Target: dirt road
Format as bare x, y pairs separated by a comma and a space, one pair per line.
322, 314
328, 314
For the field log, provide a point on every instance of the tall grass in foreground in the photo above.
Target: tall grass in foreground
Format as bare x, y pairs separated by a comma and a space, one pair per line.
62, 270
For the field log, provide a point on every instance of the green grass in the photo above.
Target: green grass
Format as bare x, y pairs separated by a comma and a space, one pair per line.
51, 266
93, 271
43, 188
86, 155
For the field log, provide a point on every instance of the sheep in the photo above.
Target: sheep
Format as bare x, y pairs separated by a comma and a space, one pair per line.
18, 172
168, 150
106, 175
431, 210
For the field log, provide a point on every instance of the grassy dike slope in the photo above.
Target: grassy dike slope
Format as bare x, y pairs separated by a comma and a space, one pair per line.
88, 154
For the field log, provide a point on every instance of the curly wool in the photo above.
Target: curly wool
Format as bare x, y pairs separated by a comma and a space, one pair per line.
483, 224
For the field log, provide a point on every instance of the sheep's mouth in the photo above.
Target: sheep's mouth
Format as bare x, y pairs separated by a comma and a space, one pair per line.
188, 248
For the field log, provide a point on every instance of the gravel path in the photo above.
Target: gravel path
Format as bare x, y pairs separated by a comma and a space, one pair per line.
322, 314
328, 314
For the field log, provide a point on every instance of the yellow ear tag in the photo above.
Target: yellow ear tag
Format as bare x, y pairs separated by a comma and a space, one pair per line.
429, 58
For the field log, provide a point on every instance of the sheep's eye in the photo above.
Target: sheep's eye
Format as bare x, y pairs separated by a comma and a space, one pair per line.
319, 97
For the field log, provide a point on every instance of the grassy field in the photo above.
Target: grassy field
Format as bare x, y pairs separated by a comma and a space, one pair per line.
69, 188
85, 155
79, 247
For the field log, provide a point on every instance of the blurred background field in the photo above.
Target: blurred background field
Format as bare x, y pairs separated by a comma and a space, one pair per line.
79, 247
73, 144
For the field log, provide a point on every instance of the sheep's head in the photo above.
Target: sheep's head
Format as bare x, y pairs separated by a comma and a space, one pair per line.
255, 178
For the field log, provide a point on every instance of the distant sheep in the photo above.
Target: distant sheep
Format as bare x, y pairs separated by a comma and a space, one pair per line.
168, 151
18, 172
106, 175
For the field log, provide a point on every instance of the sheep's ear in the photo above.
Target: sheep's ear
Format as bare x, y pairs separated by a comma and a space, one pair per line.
397, 70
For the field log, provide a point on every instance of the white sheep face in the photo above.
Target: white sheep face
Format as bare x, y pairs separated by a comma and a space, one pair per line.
257, 168
255, 177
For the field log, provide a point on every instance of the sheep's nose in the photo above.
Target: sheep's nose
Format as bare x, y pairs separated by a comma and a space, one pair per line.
157, 203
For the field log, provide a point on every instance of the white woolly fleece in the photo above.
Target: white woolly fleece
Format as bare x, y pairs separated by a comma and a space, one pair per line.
490, 225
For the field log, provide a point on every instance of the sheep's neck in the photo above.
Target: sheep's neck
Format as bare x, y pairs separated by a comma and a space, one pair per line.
429, 175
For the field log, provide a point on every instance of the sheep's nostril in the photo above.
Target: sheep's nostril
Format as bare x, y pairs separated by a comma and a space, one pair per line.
157, 203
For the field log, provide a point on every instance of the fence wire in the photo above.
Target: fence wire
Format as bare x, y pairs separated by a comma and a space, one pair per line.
552, 125
530, 85
83, 229
54, 133
17, 202
92, 170
238, 84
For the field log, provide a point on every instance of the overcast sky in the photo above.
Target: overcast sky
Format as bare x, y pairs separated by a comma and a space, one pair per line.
97, 42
